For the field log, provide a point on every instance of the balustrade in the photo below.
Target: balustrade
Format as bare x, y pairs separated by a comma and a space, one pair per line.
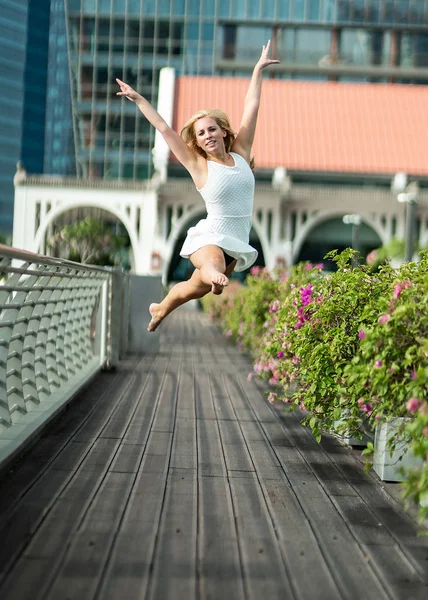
56, 328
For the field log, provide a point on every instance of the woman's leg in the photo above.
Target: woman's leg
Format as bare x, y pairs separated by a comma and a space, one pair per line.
212, 266
179, 294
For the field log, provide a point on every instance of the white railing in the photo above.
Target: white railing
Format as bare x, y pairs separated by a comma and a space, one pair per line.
55, 335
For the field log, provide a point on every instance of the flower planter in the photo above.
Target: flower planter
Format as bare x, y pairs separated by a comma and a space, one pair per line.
346, 436
388, 467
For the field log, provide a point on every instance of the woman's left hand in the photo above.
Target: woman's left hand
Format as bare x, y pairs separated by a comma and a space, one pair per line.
264, 60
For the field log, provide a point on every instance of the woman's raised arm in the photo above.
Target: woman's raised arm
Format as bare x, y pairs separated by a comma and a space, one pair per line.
244, 140
183, 153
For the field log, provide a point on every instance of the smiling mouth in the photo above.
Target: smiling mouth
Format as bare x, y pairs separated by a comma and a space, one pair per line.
211, 143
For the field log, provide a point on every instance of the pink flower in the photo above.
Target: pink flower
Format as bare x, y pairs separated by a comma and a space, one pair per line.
280, 354
378, 363
384, 318
229, 333
413, 376
425, 431
371, 257
361, 402
413, 404
367, 408
272, 397
401, 286
361, 334
250, 376
274, 306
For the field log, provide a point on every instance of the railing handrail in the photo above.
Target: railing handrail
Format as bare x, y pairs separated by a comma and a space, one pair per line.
10, 252
60, 324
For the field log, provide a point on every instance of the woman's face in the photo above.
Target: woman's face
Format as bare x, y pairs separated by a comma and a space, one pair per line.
209, 135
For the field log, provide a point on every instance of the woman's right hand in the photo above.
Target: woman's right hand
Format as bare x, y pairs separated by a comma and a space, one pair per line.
127, 91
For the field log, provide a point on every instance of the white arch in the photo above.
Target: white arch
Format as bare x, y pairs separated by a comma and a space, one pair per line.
182, 224
304, 230
56, 212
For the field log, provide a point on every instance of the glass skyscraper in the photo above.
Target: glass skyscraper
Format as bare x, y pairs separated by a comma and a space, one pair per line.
13, 43
24, 32
59, 154
342, 40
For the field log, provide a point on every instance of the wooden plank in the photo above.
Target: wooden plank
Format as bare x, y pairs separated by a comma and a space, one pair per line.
387, 512
203, 402
299, 546
25, 472
27, 586
237, 457
339, 546
165, 414
156, 457
174, 570
71, 456
362, 522
130, 560
95, 423
397, 574
265, 461
312, 463
24, 519
219, 563
210, 453
239, 401
184, 448
254, 391
220, 399
264, 572
54, 512
79, 574
127, 459
15, 484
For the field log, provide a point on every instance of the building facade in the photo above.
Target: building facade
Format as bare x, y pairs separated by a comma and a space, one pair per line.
24, 32
13, 37
341, 40
59, 153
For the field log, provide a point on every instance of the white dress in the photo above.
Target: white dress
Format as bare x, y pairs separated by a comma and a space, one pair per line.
229, 196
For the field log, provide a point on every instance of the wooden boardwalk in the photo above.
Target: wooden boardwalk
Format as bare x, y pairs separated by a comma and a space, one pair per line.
173, 478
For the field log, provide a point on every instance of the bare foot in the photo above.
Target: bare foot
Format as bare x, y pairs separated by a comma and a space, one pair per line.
156, 317
219, 282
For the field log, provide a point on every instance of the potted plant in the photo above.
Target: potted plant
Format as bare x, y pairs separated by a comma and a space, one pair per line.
389, 373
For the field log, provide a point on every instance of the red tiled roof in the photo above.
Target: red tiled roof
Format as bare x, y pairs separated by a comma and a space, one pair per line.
330, 127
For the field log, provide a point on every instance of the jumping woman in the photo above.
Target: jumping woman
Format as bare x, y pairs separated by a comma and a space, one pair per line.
218, 161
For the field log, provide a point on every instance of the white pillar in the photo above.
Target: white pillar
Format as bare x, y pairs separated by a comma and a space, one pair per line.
165, 108
147, 237
24, 220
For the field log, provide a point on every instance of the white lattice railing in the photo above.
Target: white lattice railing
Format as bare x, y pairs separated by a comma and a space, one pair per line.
55, 334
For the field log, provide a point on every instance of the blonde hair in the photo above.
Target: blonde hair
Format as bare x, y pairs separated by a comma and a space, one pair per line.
188, 132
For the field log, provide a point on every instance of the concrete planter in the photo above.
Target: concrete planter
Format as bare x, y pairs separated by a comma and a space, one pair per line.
386, 466
347, 436
349, 439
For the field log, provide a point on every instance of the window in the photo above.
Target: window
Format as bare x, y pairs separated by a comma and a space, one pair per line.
229, 42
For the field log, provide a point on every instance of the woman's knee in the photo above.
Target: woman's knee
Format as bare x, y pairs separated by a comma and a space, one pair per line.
209, 256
